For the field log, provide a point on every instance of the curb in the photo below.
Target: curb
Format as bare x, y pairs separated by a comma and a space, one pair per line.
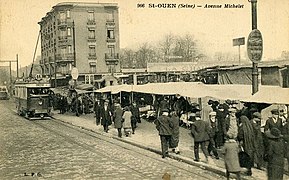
186, 160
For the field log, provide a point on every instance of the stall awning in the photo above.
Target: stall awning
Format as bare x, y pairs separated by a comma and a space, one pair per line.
266, 94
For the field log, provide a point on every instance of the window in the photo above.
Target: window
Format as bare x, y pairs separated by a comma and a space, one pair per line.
110, 33
92, 68
62, 16
68, 13
62, 34
69, 49
91, 34
111, 49
63, 51
68, 31
91, 16
92, 50
110, 16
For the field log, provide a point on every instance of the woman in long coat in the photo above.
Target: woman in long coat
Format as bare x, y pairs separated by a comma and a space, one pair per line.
127, 121
174, 143
247, 141
118, 112
230, 151
275, 154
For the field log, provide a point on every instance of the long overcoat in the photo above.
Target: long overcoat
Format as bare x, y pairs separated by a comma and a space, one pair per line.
118, 112
200, 131
164, 125
175, 131
105, 116
127, 119
230, 151
275, 153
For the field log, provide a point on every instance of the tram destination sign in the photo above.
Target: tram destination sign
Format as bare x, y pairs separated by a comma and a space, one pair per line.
255, 46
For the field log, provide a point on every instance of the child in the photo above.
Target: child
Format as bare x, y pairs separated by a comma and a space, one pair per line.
230, 151
127, 121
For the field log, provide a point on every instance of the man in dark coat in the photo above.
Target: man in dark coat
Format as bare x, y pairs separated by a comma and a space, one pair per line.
135, 116
105, 116
164, 125
274, 121
259, 143
275, 154
200, 131
97, 112
220, 135
212, 134
285, 133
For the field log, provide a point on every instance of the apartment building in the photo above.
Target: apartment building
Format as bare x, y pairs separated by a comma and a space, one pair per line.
81, 35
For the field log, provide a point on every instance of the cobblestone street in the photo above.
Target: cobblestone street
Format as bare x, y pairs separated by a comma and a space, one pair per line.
58, 151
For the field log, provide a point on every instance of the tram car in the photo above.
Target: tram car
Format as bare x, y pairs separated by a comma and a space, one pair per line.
4, 95
32, 99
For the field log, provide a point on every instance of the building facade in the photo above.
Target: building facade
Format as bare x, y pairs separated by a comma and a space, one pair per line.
81, 35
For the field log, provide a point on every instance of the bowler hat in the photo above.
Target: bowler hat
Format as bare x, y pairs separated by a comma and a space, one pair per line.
257, 115
165, 110
233, 110
198, 114
274, 133
275, 111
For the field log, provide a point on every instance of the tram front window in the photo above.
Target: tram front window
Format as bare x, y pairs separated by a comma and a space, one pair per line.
38, 91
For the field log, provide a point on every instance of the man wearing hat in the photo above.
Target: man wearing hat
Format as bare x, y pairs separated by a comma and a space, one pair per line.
164, 125
200, 132
275, 154
221, 122
231, 127
259, 148
105, 116
274, 121
212, 134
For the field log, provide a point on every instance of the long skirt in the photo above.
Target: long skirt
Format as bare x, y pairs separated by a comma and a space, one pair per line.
174, 141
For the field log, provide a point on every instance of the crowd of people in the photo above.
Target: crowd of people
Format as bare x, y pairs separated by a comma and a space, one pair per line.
236, 133
225, 130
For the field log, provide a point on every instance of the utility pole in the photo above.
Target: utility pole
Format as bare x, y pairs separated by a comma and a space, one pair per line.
255, 64
74, 52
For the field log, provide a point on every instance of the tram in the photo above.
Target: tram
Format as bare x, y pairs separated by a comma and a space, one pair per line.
32, 99
4, 93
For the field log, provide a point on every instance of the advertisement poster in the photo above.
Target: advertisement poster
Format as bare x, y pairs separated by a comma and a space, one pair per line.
89, 62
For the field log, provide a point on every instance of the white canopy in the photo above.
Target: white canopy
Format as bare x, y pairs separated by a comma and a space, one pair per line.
266, 94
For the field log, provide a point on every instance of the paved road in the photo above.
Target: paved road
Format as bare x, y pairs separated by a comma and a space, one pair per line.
54, 150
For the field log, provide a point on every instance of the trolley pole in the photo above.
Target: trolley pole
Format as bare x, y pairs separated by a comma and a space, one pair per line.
17, 63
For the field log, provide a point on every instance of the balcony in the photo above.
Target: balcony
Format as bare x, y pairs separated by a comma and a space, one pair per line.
110, 23
62, 23
68, 57
91, 22
111, 59
110, 40
92, 56
91, 39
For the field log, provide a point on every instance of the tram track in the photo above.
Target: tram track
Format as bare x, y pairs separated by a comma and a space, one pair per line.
113, 143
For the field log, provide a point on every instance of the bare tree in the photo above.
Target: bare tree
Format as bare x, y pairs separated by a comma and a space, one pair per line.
127, 56
167, 45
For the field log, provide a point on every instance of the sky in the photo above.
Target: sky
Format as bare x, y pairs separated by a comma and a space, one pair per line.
214, 28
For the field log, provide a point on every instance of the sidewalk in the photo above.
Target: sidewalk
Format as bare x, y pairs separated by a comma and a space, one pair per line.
146, 137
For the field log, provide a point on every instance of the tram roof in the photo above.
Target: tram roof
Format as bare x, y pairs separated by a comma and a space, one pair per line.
33, 85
